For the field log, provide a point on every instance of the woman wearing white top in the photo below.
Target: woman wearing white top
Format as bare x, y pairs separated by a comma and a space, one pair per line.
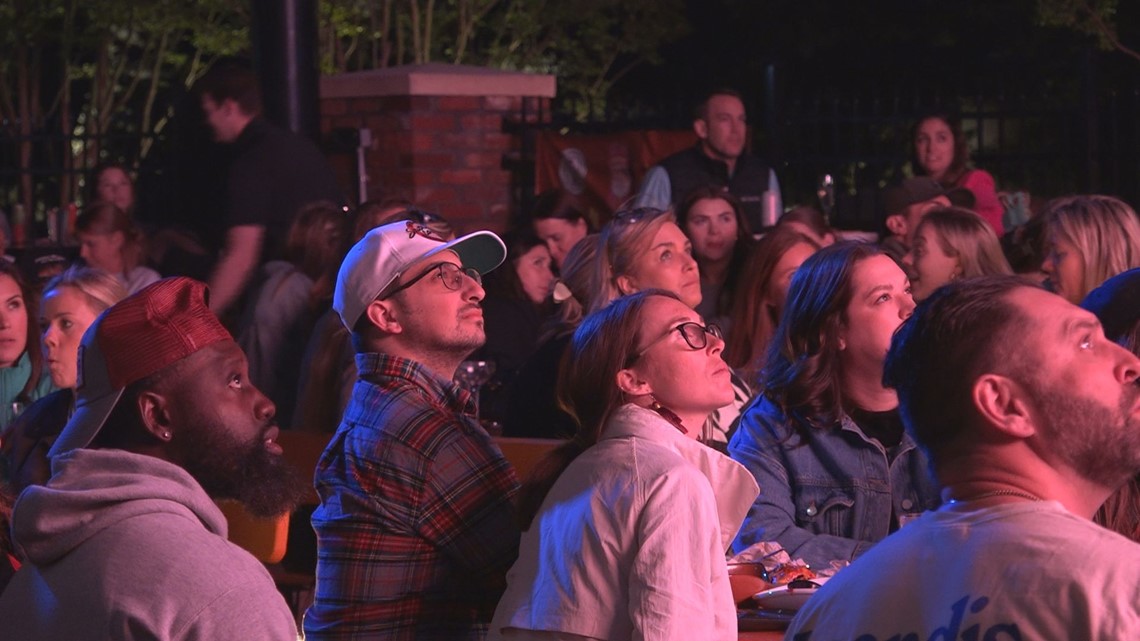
110, 241
627, 524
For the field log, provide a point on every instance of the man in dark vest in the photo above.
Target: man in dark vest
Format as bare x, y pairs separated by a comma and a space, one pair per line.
717, 159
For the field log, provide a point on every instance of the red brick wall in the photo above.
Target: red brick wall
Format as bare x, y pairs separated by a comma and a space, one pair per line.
445, 153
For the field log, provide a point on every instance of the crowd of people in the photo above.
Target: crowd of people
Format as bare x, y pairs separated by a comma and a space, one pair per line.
712, 380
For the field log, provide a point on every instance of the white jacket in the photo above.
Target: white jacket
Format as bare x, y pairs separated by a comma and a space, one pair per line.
630, 542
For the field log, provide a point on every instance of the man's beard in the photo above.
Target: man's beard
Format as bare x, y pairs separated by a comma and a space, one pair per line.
248, 473
1100, 442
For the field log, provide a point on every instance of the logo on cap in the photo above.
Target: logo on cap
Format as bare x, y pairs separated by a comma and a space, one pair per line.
414, 228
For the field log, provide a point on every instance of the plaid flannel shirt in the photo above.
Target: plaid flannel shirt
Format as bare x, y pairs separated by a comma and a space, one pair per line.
416, 525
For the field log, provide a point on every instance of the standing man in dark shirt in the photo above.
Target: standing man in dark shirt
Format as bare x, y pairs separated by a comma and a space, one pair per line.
717, 159
273, 173
416, 528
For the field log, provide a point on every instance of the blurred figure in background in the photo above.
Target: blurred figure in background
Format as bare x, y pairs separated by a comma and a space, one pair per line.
766, 277
560, 221
810, 222
1090, 239
109, 240
714, 221
942, 152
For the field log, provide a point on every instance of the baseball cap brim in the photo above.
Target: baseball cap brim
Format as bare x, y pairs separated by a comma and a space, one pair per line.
91, 410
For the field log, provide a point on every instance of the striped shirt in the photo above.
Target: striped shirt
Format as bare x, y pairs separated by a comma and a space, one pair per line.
416, 530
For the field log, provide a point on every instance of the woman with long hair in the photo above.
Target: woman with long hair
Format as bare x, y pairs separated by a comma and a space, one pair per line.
560, 220
824, 439
71, 302
714, 221
291, 297
111, 183
532, 408
940, 150
767, 274
22, 375
625, 526
810, 222
109, 240
952, 243
1089, 240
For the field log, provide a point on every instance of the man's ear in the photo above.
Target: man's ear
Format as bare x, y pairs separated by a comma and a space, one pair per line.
1004, 404
701, 128
631, 384
383, 314
896, 224
154, 410
626, 285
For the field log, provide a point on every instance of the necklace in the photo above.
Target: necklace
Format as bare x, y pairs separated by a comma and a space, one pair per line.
993, 493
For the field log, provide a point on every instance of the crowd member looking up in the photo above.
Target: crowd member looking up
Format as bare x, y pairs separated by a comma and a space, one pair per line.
110, 241
766, 277
714, 222
272, 175
517, 303
906, 203
642, 249
415, 530
633, 515
810, 222
717, 159
941, 151
1090, 239
125, 538
22, 375
824, 439
1116, 305
111, 183
952, 243
560, 221
532, 406
1031, 418
292, 294
71, 302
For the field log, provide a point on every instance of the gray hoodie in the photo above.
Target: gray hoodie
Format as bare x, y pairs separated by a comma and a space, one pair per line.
127, 546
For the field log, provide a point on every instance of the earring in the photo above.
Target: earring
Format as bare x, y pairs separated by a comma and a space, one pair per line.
667, 414
166, 436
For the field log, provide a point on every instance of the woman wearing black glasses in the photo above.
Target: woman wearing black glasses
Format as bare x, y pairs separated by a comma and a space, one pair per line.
824, 440
626, 524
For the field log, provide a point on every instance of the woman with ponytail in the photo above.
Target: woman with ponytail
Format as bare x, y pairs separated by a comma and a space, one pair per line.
626, 524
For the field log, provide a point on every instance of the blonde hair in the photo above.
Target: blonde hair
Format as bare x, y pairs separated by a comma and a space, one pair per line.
1104, 230
100, 289
101, 217
967, 236
625, 238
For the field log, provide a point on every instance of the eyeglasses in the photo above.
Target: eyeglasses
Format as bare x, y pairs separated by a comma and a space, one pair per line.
449, 273
696, 337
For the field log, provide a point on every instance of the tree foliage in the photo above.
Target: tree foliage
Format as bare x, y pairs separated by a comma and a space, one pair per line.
1096, 18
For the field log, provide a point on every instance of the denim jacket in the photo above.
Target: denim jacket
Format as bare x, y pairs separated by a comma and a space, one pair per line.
830, 494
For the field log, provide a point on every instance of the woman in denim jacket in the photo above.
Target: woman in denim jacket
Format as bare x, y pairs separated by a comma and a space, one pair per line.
836, 470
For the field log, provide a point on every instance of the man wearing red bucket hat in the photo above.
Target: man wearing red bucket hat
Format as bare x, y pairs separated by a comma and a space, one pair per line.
415, 530
125, 541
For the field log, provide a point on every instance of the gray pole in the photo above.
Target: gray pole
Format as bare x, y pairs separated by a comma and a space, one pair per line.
285, 58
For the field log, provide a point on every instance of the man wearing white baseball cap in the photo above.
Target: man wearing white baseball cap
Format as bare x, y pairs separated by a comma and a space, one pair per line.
415, 531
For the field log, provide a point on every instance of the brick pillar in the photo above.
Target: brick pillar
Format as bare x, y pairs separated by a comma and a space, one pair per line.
438, 136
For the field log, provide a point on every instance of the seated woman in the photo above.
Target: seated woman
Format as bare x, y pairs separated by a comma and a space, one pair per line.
532, 408
940, 150
292, 295
824, 439
22, 379
1089, 239
810, 222
560, 221
71, 302
763, 289
517, 301
626, 525
952, 243
110, 241
714, 221
644, 248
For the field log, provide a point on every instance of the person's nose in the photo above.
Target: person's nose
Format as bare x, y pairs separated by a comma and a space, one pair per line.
690, 262
908, 258
51, 337
473, 289
1048, 265
906, 307
85, 253
1128, 366
263, 408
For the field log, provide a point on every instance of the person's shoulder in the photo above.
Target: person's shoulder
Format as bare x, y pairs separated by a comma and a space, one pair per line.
977, 178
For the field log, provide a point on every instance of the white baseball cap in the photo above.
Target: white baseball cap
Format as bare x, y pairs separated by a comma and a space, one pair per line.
378, 259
